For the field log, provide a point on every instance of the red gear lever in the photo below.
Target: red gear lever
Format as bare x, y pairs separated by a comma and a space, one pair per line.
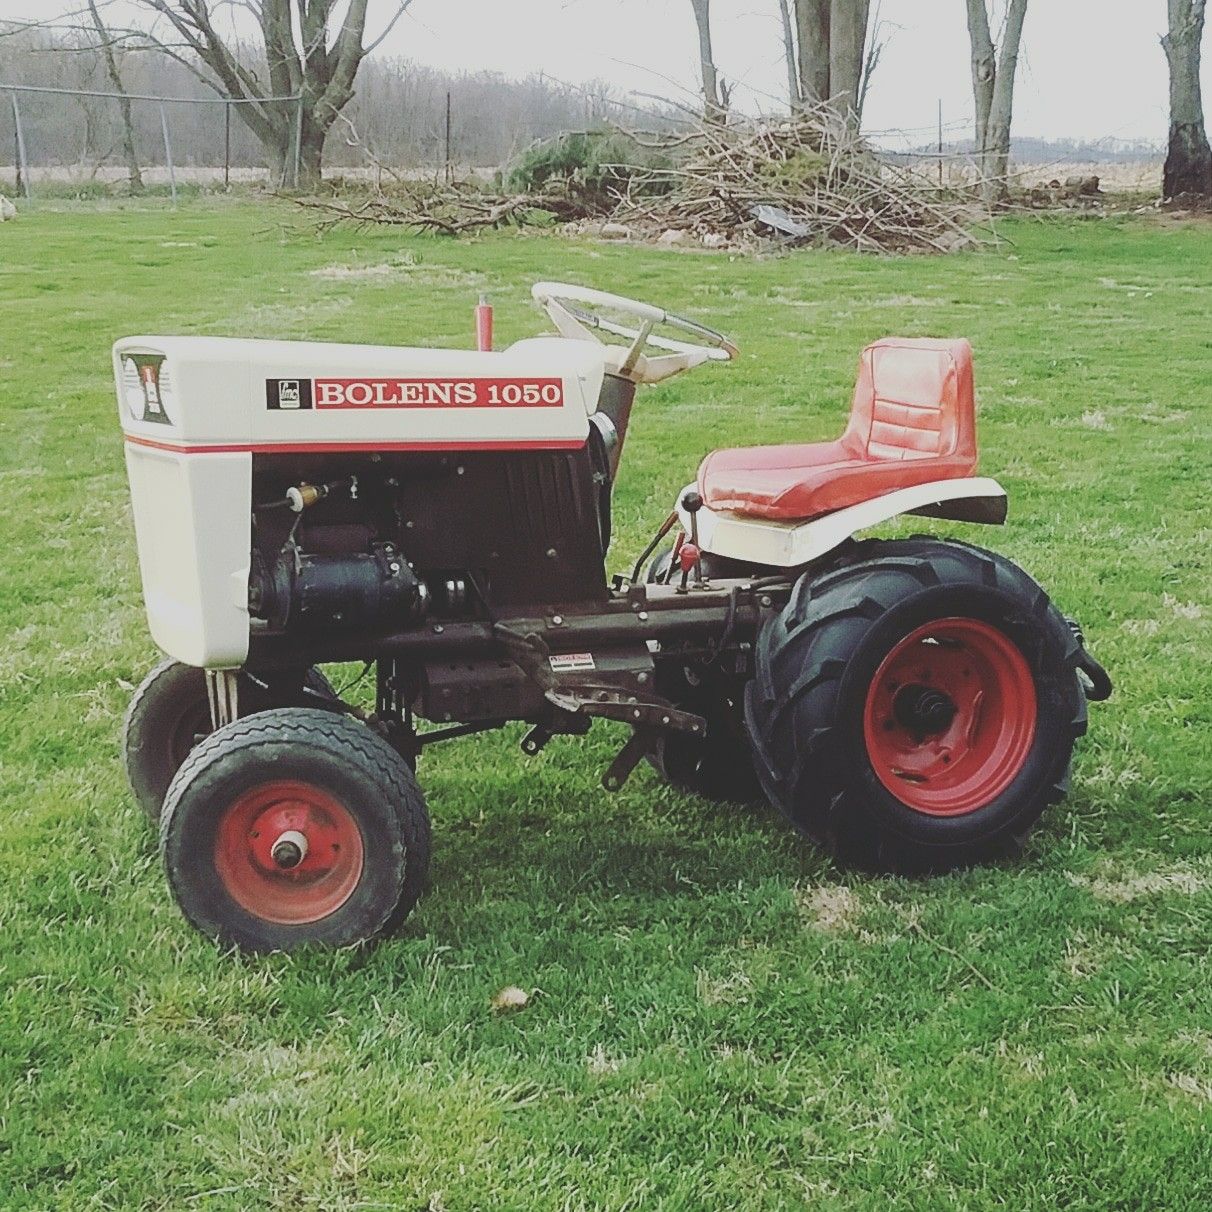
484, 325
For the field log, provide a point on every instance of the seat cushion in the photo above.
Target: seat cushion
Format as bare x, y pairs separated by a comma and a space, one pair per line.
911, 422
796, 483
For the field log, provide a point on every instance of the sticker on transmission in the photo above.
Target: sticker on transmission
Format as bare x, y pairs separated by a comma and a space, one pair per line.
570, 662
438, 393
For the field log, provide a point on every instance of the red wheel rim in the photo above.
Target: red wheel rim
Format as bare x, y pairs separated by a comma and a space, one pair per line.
950, 716
289, 852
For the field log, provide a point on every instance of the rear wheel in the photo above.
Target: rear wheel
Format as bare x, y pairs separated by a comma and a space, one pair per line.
718, 766
915, 707
295, 826
170, 713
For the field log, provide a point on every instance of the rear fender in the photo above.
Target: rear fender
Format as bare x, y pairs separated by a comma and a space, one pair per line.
794, 544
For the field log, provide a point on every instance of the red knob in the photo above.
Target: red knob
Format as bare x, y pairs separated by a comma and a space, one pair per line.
688, 556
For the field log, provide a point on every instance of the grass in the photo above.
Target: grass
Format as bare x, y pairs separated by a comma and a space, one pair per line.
718, 1017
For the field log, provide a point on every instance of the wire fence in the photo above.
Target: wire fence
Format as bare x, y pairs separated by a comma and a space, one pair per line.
73, 139
86, 142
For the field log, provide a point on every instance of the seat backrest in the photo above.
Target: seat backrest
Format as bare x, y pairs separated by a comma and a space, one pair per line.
913, 400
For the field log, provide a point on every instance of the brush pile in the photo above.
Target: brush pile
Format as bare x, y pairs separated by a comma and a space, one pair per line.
810, 179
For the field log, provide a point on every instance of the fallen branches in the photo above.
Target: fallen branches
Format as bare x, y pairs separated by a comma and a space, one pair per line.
451, 210
809, 179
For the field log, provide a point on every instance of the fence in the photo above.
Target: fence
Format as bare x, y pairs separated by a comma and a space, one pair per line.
135, 129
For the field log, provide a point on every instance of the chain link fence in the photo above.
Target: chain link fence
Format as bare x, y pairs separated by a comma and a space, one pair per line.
58, 142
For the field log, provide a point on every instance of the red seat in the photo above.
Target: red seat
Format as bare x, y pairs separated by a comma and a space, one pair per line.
912, 421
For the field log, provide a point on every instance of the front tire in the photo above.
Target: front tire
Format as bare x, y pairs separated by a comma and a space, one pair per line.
915, 708
295, 826
169, 714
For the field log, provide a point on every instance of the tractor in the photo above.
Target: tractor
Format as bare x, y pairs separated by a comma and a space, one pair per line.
444, 517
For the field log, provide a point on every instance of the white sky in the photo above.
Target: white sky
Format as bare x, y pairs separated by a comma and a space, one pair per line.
1090, 68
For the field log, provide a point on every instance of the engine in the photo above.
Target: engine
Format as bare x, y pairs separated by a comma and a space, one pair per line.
364, 589
370, 544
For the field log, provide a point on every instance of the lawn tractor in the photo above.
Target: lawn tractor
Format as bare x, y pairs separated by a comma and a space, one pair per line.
444, 517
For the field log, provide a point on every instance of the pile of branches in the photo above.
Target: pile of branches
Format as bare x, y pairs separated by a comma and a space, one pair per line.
450, 209
810, 179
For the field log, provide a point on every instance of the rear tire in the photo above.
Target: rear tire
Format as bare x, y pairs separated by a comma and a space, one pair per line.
292, 827
169, 714
718, 766
916, 706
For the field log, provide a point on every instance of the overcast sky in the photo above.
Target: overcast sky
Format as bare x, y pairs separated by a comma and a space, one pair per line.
1090, 68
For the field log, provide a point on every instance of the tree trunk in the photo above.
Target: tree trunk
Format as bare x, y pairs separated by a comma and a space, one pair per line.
812, 34
320, 68
713, 107
993, 74
115, 78
1001, 111
311, 157
278, 146
847, 40
793, 76
984, 69
1188, 168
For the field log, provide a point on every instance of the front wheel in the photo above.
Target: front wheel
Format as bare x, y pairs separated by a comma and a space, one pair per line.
295, 826
170, 713
915, 708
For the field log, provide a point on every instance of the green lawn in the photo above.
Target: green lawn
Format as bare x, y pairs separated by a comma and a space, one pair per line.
720, 1018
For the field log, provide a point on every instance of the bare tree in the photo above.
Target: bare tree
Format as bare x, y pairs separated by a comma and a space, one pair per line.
993, 73
847, 38
306, 53
398, 108
830, 59
715, 93
812, 32
106, 43
789, 54
1188, 167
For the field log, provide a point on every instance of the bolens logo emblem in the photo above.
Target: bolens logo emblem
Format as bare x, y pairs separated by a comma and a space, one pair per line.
288, 394
443, 393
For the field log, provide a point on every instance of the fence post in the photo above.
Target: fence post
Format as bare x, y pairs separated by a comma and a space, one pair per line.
298, 137
940, 143
22, 164
168, 153
447, 170
227, 145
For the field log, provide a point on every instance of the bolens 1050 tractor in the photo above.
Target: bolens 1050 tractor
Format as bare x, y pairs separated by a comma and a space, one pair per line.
444, 516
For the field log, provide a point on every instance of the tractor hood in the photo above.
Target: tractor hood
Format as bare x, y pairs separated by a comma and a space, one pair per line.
228, 394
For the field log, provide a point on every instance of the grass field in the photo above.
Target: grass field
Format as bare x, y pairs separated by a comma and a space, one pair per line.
719, 1017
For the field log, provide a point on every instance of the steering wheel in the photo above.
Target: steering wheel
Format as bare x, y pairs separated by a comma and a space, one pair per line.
576, 311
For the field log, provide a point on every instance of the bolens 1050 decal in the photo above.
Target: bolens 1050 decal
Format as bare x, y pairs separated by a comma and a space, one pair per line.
285, 395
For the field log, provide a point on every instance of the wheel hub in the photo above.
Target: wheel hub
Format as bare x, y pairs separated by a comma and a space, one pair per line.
289, 851
950, 716
923, 709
